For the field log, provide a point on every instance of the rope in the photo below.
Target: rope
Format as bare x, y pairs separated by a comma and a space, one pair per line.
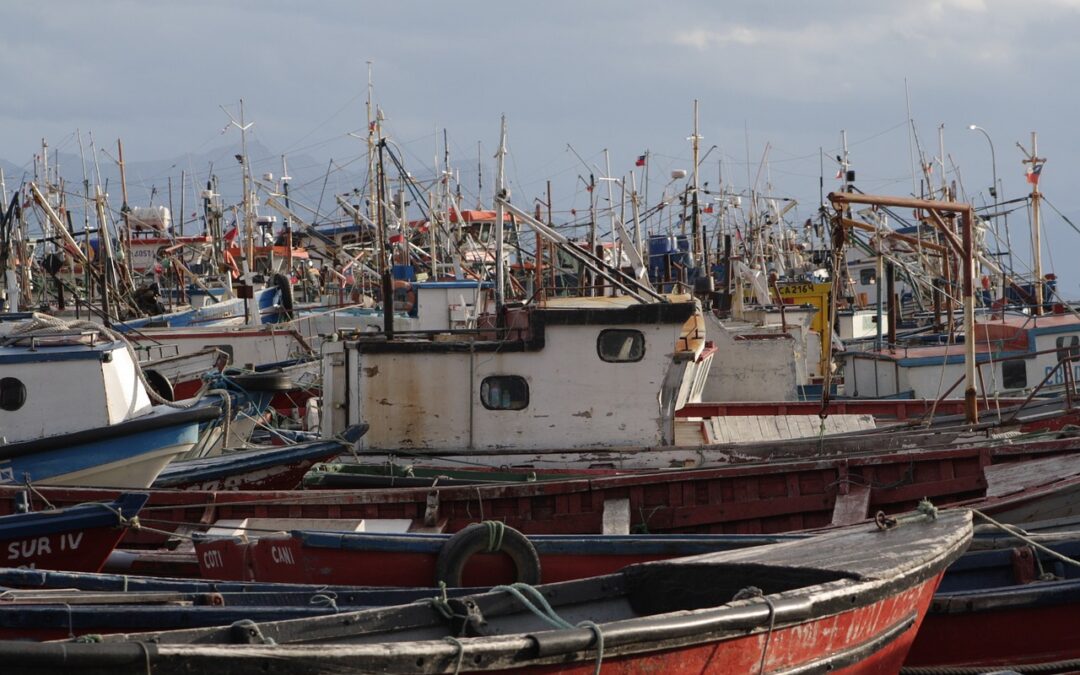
755, 592
543, 610
496, 529
1068, 666
1014, 531
327, 599
459, 654
441, 604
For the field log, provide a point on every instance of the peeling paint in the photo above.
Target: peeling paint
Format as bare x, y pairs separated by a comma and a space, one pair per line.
587, 414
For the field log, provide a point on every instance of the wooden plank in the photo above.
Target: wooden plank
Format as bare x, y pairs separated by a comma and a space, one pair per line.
1003, 479
852, 507
617, 516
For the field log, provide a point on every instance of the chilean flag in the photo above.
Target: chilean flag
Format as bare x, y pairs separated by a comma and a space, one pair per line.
1033, 174
640, 161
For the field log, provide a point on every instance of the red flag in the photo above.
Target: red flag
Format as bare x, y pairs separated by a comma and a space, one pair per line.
396, 238
230, 235
707, 209
1033, 174
640, 161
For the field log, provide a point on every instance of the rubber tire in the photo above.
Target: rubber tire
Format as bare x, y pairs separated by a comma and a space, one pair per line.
457, 551
285, 294
160, 384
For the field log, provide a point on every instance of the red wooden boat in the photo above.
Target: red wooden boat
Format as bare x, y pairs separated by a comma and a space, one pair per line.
754, 498
482, 554
77, 539
848, 601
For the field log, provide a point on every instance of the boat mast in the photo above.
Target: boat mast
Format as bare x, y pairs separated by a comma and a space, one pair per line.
245, 204
1033, 172
695, 226
501, 194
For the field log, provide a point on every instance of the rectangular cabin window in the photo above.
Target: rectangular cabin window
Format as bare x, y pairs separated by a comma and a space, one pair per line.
504, 392
868, 276
1068, 346
620, 345
1014, 374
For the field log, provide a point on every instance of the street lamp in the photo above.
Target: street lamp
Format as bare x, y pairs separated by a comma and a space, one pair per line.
994, 194
993, 159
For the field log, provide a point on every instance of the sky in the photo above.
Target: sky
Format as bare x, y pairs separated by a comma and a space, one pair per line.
777, 83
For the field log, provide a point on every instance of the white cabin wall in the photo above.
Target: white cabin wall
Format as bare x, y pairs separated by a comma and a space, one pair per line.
576, 400
751, 369
61, 397
126, 396
413, 400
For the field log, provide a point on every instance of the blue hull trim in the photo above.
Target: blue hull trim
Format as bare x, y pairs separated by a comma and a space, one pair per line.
61, 462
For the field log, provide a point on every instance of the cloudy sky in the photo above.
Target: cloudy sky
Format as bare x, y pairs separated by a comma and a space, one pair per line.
777, 81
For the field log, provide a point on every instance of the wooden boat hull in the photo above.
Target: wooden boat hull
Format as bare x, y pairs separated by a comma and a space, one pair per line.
847, 601
273, 468
127, 455
78, 538
995, 611
374, 559
749, 498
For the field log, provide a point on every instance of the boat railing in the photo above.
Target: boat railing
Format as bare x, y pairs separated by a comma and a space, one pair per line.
1064, 357
87, 337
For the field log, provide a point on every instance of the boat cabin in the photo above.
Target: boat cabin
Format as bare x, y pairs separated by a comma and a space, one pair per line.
65, 382
568, 373
1013, 354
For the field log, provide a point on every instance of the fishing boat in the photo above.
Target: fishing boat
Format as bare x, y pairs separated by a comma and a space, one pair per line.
346, 475
757, 497
848, 601
269, 468
482, 554
74, 409
1009, 605
76, 538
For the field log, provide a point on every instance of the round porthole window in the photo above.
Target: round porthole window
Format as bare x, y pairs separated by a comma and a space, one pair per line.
12, 393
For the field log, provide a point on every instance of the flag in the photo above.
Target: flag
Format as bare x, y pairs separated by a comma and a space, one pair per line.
396, 238
1033, 174
839, 173
230, 235
707, 209
640, 161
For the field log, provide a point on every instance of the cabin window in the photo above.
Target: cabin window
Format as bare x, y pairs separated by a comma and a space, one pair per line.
867, 277
1014, 374
619, 345
504, 392
1068, 346
12, 394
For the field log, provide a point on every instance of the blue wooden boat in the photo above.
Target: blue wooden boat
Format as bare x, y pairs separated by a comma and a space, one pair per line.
268, 468
1008, 607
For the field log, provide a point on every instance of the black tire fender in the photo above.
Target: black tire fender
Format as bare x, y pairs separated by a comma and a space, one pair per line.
160, 384
476, 538
285, 293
